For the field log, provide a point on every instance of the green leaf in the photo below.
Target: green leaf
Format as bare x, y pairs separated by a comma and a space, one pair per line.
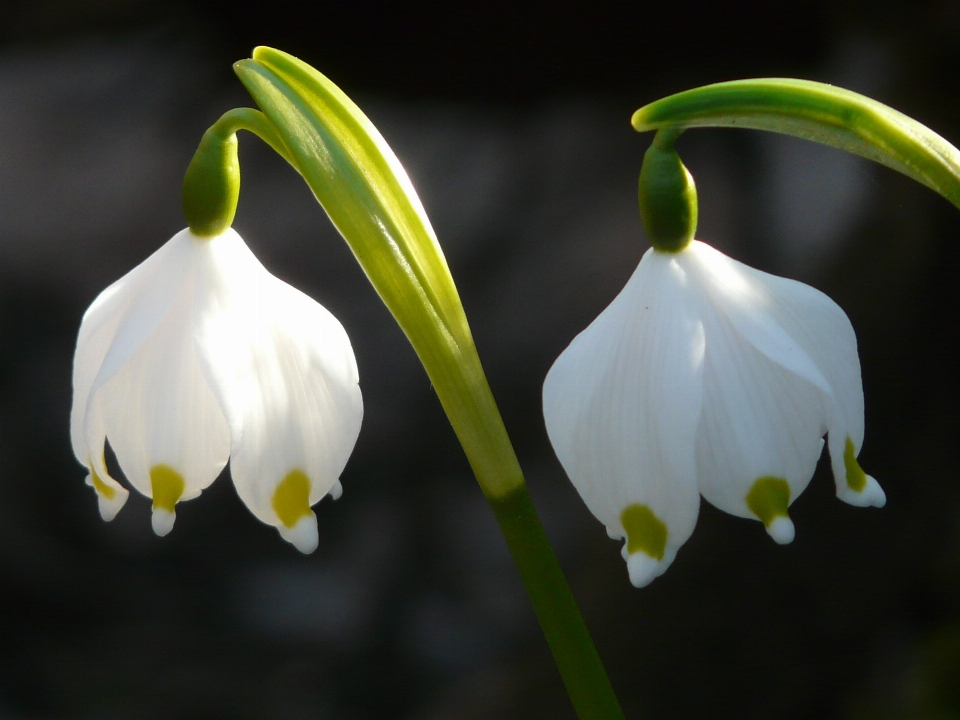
822, 113
358, 180
366, 192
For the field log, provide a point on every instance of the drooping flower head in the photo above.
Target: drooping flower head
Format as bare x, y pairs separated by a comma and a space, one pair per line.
704, 377
198, 355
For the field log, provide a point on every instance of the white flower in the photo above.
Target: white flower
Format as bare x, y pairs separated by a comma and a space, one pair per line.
705, 376
199, 354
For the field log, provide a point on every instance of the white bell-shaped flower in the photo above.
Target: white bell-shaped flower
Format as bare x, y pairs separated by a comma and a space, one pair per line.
198, 355
706, 376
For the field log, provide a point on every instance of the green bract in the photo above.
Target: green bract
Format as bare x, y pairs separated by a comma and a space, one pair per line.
822, 113
360, 183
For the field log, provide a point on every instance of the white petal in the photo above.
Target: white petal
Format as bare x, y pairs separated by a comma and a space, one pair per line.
98, 329
304, 535
854, 486
284, 373
781, 530
738, 292
872, 495
113, 328
149, 292
820, 327
621, 405
162, 419
162, 521
759, 420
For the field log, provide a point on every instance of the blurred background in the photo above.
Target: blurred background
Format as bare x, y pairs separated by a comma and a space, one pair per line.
512, 121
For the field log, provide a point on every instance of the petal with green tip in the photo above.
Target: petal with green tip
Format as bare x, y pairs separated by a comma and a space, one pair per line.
621, 405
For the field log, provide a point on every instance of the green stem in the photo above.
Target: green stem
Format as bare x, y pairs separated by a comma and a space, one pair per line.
256, 122
577, 659
211, 185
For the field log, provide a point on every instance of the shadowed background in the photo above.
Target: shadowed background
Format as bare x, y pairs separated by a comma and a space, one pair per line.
512, 121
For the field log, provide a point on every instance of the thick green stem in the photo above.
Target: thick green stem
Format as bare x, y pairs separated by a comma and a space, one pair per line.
580, 665
465, 395
256, 122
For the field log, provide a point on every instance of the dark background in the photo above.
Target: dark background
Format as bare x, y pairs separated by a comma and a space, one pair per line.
512, 120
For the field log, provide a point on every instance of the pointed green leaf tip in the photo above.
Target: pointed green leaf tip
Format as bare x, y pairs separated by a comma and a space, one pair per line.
822, 113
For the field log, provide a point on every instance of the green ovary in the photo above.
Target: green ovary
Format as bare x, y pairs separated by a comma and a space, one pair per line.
769, 498
291, 499
856, 478
645, 531
167, 485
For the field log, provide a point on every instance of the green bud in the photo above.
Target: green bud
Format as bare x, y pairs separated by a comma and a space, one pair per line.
211, 185
667, 195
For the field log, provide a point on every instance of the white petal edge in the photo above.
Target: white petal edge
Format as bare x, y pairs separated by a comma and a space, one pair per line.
734, 289
304, 535
872, 494
782, 530
284, 373
111, 496
162, 521
621, 405
159, 410
759, 420
109, 506
822, 329
98, 330
644, 569
115, 325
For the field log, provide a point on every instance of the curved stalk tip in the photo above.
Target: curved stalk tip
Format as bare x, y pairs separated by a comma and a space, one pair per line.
815, 111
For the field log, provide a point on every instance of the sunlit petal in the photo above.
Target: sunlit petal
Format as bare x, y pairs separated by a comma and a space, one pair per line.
113, 327
759, 421
162, 418
284, 373
621, 406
